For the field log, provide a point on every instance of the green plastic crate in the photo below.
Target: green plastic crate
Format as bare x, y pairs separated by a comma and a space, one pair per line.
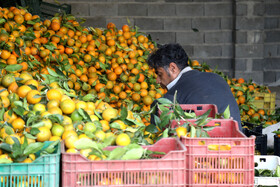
265, 101
44, 171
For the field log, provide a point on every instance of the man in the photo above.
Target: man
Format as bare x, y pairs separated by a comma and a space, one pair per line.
193, 87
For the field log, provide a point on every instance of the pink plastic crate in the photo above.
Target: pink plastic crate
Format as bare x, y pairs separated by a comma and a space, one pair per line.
200, 109
163, 170
225, 159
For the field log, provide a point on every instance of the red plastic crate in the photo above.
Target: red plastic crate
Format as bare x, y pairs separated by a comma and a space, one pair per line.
225, 159
163, 170
200, 109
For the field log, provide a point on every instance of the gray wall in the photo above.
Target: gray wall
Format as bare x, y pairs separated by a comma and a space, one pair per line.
239, 37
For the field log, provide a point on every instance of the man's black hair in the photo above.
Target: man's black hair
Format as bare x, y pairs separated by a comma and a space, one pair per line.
168, 53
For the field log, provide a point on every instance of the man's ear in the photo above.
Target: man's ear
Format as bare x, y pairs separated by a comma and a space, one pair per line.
173, 68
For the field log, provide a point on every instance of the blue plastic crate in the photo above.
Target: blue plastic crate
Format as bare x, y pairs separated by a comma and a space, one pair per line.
44, 171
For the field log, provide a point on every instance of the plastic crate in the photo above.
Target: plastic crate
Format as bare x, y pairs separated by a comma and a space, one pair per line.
164, 170
225, 159
44, 9
265, 101
260, 141
9, 3
200, 109
276, 145
254, 127
267, 162
48, 10
44, 171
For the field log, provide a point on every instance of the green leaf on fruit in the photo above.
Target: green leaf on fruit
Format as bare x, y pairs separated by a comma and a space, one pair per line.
34, 131
133, 154
33, 148
8, 130
152, 129
85, 143
165, 133
116, 154
6, 147
164, 101
5, 161
227, 113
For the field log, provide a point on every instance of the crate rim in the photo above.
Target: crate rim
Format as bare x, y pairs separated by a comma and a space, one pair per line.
40, 158
180, 143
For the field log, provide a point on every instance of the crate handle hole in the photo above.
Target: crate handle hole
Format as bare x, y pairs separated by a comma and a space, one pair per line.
199, 108
189, 111
262, 159
237, 143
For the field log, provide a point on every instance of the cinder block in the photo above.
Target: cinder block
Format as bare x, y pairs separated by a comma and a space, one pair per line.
258, 65
269, 77
241, 9
278, 77
163, 37
226, 23
79, 9
255, 37
177, 24
187, 38
245, 23
98, 21
104, 9
83, 1
121, 1
227, 51
189, 9
166, 9
248, 51
271, 23
257, 76
206, 23
241, 37
240, 64
133, 9
272, 36
209, 1
224, 9
208, 51
149, 23
270, 50
272, 64
140, 1
278, 50
218, 37
221, 64
259, 9
246, 1
120, 21
178, 1
272, 8
189, 50
228, 73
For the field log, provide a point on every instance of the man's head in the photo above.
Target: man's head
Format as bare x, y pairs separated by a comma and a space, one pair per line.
168, 61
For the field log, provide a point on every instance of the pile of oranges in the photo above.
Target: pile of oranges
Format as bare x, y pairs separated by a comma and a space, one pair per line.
36, 112
62, 81
109, 63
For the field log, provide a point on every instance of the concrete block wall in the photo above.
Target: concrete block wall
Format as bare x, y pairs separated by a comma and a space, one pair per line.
239, 37
271, 64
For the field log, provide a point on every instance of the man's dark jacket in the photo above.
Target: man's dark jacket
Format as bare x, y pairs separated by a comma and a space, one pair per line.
195, 87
